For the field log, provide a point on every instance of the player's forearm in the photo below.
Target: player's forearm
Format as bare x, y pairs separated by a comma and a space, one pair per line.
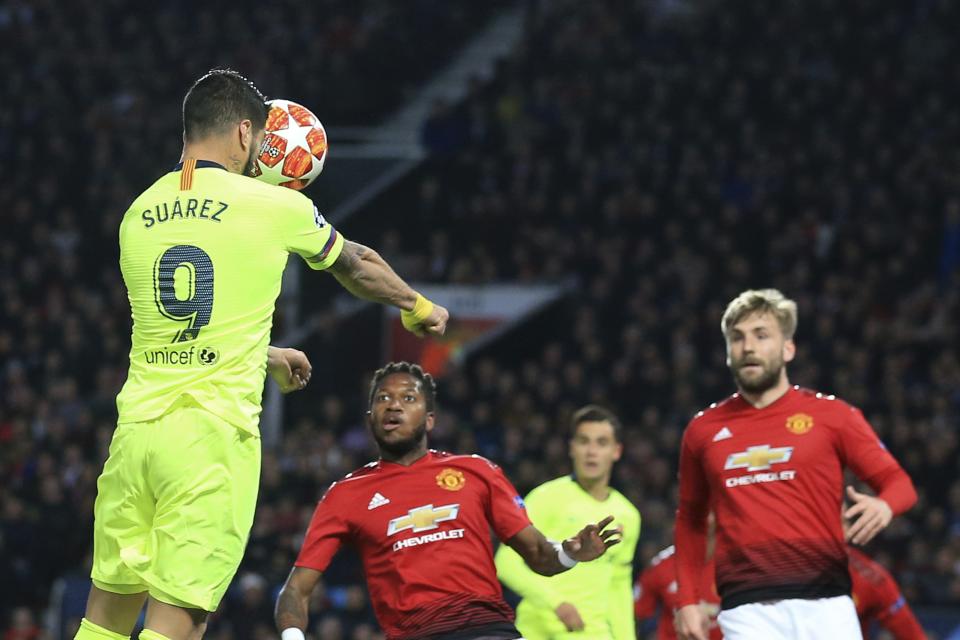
903, 625
292, 609
546, 560
897, 490
537, 552
362, 272
274, 357
690, 541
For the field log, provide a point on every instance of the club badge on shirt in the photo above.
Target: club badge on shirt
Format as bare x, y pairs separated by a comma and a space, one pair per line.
799, 423
451, 480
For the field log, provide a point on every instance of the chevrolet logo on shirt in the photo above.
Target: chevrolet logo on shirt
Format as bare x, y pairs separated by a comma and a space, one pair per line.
758, 458
423, 518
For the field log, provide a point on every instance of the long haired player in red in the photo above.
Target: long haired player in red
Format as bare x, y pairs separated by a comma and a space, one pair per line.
420, 521
769, 460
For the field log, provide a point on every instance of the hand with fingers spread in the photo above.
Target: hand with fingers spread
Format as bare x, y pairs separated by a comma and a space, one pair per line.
290, 368
593, 541
872, 516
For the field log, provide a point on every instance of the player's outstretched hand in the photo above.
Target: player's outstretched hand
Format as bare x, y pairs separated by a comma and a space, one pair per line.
592, 541
691, 623
290, 368
872, 516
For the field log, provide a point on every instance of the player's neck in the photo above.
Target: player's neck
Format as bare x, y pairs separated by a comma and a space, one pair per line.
764, 399
405, 459
598, 488
214, 151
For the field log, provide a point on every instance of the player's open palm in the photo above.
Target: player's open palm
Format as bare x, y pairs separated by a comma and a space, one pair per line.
872, 516
592, 541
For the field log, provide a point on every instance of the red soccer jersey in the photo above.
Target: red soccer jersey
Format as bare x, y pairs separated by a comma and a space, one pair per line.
877, 597
774, 477
657, 585
423, 534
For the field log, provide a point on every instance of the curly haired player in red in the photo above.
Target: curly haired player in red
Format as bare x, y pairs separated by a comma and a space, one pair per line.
769, 460
420, 521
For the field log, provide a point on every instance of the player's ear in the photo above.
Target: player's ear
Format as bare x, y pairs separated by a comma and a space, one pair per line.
369, 417
245, 131
429, 421
618, 451
789, 350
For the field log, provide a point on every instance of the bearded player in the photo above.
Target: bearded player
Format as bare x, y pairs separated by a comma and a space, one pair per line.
420, 521
202, 253
770, 462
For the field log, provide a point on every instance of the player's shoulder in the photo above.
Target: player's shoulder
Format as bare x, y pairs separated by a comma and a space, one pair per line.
824, 403
352, 480
279, 197
664, 557
819, 398
562, 486
717, 412
471, 461
624, 503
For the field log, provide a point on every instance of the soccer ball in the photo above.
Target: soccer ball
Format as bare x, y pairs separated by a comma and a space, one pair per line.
294, 146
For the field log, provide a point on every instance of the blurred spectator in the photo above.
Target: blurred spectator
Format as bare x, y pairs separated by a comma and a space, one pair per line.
22, 626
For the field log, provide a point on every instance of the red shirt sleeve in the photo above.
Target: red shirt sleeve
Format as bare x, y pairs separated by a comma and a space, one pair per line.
690, 537
645, 594
902, 623
505, 509
325, 534
895, 614
869, 459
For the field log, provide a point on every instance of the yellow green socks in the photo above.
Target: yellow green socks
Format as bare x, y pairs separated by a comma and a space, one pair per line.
90, 631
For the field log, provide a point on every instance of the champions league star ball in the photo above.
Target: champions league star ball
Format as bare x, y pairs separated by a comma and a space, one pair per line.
294, 146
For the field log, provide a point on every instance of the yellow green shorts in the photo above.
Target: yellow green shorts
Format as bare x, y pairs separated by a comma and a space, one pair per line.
175, 504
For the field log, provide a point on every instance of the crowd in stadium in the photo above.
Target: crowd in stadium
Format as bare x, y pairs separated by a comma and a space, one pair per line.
662, 161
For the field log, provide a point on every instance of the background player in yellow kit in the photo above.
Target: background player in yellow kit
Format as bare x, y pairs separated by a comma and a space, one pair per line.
561, 606
202, 253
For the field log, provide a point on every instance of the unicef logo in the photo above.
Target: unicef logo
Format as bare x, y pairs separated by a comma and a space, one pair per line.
208, 356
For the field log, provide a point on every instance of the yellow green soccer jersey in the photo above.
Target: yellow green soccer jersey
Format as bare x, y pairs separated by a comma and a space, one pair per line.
602, 590
202, 252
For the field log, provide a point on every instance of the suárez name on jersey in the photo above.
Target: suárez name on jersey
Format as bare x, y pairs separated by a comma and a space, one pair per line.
205, 209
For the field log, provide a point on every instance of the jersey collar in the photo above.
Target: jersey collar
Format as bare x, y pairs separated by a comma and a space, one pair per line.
202, 164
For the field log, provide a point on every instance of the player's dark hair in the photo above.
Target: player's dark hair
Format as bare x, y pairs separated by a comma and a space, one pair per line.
415, 370
596, 413
219, 99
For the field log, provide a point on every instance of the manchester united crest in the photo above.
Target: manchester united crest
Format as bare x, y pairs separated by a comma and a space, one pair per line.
451, 480
799, 424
